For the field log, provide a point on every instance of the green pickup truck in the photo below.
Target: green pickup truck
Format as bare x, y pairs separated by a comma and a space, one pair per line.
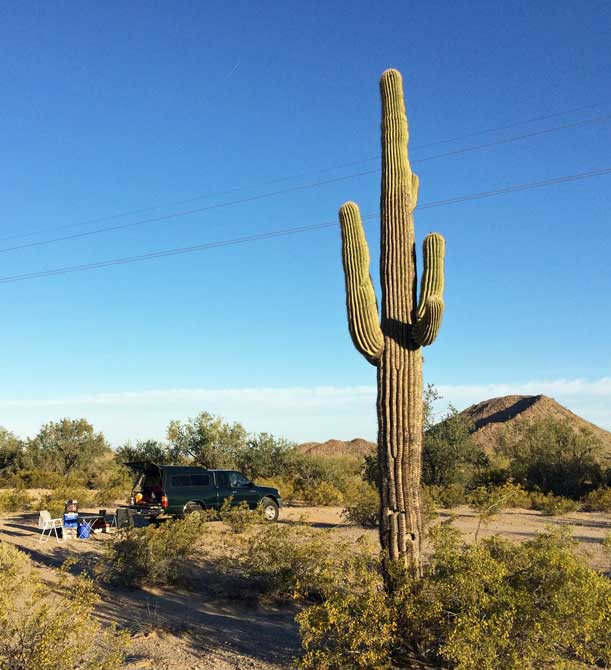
177, 490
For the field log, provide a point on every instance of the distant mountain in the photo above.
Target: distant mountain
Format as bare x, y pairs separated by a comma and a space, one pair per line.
495, 416
490, 419
357, 447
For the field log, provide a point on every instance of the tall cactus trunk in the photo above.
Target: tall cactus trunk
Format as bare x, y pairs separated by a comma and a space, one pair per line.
399, 454
393, 342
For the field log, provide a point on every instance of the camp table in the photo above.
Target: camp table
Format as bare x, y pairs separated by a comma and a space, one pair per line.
89, 521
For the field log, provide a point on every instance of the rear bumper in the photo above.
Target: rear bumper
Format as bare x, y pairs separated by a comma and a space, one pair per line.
151, 511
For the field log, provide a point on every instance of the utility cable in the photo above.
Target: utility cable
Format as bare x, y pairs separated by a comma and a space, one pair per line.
306, 174
301, 187
300, 229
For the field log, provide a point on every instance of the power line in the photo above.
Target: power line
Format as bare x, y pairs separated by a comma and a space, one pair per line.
277, 180
301, 187
300, 229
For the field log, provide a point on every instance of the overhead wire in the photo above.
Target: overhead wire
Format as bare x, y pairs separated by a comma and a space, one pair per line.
277, 180
301, 187
300, 229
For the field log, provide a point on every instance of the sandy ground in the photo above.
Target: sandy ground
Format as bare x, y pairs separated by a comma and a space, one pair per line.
215, 626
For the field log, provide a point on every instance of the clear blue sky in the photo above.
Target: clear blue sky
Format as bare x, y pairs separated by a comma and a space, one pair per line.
112, 107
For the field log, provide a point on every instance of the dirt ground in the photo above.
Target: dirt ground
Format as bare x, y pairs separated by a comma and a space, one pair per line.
215, 627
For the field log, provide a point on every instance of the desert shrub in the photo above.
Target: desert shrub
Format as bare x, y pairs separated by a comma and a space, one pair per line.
449, 496
284, 484
352, 628
239, 517
14, 500
155, 554
551, 456
299, 562
364, 506
598, 501
486, 606
323, 493
54, 502
552, 505
36, 630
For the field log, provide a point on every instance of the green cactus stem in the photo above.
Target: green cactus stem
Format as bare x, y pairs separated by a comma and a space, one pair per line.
393, 342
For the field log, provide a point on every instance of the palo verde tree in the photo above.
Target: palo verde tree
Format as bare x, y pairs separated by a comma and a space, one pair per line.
393, 343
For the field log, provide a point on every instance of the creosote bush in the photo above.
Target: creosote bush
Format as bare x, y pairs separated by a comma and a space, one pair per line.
298, 562
598, 501
35, 622
239, 517
14, 500
552, 505
364, 507
487, 606
155, 554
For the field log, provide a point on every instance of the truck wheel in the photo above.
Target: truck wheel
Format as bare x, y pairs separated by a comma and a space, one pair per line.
270, 509
193, 508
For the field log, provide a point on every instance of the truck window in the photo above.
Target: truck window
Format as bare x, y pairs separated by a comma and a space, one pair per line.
236, 479
221, 479
200, 480
181, 480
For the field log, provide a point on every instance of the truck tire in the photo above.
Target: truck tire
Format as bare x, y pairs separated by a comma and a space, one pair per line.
192, 508
270, 509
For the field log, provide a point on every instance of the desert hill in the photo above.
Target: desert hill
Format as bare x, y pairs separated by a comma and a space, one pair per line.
495, 416
357, 447
490, 418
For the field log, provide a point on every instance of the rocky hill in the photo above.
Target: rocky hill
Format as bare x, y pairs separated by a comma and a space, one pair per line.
497, 415
490, 418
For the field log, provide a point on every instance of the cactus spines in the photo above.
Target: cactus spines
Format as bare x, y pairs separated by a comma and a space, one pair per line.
393, 342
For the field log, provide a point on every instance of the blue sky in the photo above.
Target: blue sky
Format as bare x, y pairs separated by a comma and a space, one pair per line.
107, 108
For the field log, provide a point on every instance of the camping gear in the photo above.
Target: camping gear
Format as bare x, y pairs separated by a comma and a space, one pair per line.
83, 531
71, 506
70, 520
48, 525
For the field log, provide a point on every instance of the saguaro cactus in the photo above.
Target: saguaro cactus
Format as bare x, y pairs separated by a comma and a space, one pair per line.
393, 343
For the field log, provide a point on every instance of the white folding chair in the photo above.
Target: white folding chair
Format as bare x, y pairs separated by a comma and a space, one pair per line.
48, 525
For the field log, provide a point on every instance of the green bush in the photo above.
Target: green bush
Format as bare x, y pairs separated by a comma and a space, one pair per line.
487, 606
552, 505
300, 562
155, 554
447, 497
364, 508
14, 500
36, 622
239, 517
598, 501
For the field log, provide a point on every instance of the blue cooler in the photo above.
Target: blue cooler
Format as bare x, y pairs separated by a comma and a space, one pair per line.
83, 531
70, 520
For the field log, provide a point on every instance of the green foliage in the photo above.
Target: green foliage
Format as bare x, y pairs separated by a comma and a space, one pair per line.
239, 517
300, 562
449, 455
35, 622
364, 507
598, 501
353, 628
14, 500
207, 440
11, 452
551, 456
552, 505
145, 450
264, 455
66, 446
491, 605
155, 554
447, 497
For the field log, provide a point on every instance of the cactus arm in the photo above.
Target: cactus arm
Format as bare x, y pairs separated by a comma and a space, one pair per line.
361, 303
430, 306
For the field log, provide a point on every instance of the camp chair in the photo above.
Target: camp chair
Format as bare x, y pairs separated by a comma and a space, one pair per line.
48, 525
